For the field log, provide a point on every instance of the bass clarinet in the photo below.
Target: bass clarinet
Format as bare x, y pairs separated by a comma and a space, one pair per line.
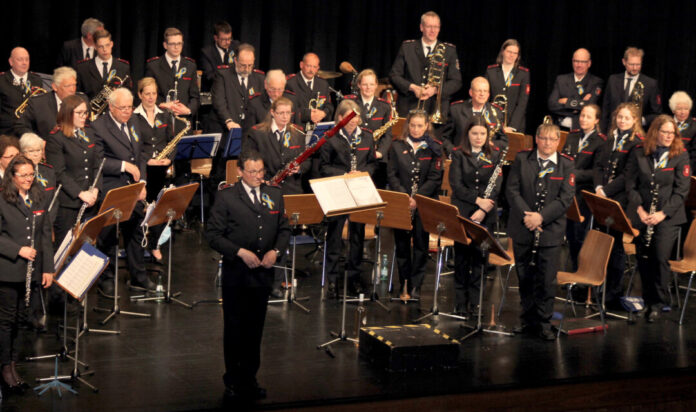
650, 230
537, 233
94, 184
30, 264
498, 168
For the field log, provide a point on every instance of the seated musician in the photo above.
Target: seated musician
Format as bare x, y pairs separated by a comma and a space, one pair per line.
681, 104
16, 85
260, 103
9, 148
304, 87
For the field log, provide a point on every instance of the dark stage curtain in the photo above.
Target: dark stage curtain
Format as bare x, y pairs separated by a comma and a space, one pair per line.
368, 34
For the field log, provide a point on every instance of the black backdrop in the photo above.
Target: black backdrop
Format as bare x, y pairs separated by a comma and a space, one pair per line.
368, 33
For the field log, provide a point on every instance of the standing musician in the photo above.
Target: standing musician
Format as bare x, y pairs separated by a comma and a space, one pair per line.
309, 92
120, 138
473, 164
632, 86
680, 104
609, 179
376, 113
41, 112
658, 181
409, 71
9, 148
16, 85
462, 113
415, 162
248, 227
583, 145
510, 79
572, 91
22, 206
82, 47
260, 103
103, 69
352, 145
540, 189
220, 52
175, 75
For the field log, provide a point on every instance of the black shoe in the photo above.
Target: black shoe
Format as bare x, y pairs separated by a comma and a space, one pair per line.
276, 293
547, 334
145, 284
107, 288
355, 288
415, 293
652, 315
331, 291
256, 392
524, 328
460, 310
614, 305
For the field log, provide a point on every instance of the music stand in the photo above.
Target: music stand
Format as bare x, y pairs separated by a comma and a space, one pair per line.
395, 215
122, 200
440, 218
481, 237
198, 146
609, 213
233, 145
169, 207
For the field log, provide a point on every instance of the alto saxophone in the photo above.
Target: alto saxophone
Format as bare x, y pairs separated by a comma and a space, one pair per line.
383, 129
169, 148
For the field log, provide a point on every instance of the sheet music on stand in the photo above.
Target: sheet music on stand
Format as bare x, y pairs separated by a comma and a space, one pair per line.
198, 146
82, 271
62, 252
151, 206
319, 130
349, 192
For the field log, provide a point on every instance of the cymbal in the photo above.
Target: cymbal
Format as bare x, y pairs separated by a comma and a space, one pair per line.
326, 75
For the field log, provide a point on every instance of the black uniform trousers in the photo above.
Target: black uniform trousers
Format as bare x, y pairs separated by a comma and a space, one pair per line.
537, 283
135, 254
653, 265
11, 297
334, 246
412, 265
615, 269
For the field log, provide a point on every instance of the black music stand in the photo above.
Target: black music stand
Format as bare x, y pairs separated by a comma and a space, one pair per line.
169, 207
233, 145
395, 215
442, 219
610, 214
122, 200
481, 237
198, 146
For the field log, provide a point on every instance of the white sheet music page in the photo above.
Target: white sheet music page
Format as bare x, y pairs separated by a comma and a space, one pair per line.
332, 194
363, 190
83, 268
63, 249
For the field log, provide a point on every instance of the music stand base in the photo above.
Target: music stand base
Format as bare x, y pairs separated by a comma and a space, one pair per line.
54, 382
113, 312
207, 301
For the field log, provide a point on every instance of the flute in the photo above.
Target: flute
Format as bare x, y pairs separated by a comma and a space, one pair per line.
94, 184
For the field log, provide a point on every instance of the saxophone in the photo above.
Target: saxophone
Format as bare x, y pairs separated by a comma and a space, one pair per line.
171, 146
383, 129
650, 230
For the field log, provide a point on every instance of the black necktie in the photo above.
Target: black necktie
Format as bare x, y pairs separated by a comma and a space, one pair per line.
278, 135
21, 84
429, 49
257, 203
105, 70
225, 57
174, 67
87, 56
244, 83
627, 88
367, 108
309, 84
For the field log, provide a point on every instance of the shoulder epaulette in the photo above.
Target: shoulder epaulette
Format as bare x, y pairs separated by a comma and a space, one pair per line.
409, 41
54, 130
83, 60
527, 149
574, 131
350, 96
1, 73
289, 91
223, 66
366, 129
454, 149
493, 66
46, 164
496, 148
457, 102
259, 71
290, 76
190, 59
523, 68
449, 44
684, 149
567, 157
383, 101
254, 95
640, 137
602, 136
153, 59
124, 61
226, 186
255, 127
436, 141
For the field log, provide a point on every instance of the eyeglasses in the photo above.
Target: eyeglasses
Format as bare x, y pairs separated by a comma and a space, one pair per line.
26, 176
81, 113
122, 108
177, 44
431, 26
667, 132
244, 66
254, 172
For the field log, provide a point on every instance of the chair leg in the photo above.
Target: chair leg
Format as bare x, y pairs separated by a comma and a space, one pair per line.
565, 309
601, 303
676, 289
686, 298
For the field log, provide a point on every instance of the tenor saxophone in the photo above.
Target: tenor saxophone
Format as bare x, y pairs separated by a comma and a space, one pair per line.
171, 146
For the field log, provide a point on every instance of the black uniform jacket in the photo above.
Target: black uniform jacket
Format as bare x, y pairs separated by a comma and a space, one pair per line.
411, 67
565, 86
12, 96
652, 101
71, 53
15, 232
374, 117
585, 158
210, 59
156, 136
90, 80
302, 94
75, 163
230, 99
605, 158
517, 93
461, 113
469, 177
186, 84
117, 148
674, 181
276, 154
335, 154
402, 162
235, 223
521, 192
257, 109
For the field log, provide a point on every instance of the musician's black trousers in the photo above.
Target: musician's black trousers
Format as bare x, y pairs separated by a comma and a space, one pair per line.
334, 246
537, 283
468, 263
411, 265
616, 268
132, 238
654, 267
11, 297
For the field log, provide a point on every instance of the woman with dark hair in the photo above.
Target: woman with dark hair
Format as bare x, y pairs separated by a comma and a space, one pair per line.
658, 181
22, 213
414, 167
75, 158
511, 80
473, 163
9, 148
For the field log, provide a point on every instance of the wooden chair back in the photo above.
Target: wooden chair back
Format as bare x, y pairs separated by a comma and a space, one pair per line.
231, 175
594, 258
445, 187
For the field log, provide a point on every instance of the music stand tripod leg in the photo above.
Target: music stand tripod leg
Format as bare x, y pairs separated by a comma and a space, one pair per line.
290, 297
374, 297
340, 336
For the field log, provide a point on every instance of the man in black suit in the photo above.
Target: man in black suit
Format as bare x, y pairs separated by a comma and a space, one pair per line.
82, 47
410, 69
305, 86
260, 103
572, 91
16, 85
461, 113
41, 112
248, 227
94, 73
222, 51
175, 72
540, 188
632, 86
118, 136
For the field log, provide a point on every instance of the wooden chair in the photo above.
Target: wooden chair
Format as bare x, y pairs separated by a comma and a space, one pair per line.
231, 176
445, 187
687, 264
561, 143
499, 262
592, 270
202, 167
516, 143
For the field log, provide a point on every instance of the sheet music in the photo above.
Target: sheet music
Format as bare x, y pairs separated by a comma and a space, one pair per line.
332, 195
363, 190
151, 206
63, 249
82, 271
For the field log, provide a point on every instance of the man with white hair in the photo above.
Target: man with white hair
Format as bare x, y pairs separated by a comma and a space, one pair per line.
82, 47
120, 138
260, 103
41, 112
16, 85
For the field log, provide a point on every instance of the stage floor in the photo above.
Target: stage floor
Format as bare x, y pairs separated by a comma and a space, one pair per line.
174, 362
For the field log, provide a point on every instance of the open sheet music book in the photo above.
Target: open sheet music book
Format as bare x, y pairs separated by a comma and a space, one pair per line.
62, 252
82, 271
339, 195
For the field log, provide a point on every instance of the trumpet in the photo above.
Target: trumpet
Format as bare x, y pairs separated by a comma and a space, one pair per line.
501, 101
98, 104
313, 105
35, 91
435, 78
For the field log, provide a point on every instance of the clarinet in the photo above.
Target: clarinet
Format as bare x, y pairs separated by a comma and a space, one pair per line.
537, 233
612, 170
30, 264
353, 157
491, 181
94, 184
415, 177
653, 208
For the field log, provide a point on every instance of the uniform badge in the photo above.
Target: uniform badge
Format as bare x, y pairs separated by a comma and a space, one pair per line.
111, 75
482, 157
266, 200
687, 170
372, 112
180, 73
251, 91
82, 135
320, 102
545, 172
27, 87
581, 89
41, 179
158, 123
230, 58
286, 139
134, 135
